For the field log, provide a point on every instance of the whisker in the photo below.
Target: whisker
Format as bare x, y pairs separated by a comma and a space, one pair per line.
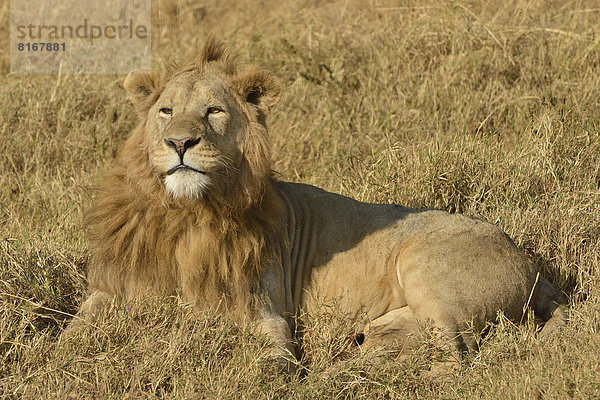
228, 163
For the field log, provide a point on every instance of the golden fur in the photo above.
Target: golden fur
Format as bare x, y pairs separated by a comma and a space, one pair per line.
134, 227
189, 207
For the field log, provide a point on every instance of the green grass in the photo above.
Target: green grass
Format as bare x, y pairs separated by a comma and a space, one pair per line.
490, 109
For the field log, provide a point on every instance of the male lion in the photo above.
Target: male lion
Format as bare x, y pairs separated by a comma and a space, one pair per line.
190, 208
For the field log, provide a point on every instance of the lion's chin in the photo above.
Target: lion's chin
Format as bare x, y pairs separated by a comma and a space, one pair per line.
186, 183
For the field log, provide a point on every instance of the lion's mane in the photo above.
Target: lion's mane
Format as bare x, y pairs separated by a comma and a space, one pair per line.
136, 231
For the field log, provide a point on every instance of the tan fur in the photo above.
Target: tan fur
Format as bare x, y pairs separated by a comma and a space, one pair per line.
135, 228
223, 234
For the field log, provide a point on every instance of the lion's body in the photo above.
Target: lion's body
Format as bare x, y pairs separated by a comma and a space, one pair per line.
382, 263
190, 208
374, 258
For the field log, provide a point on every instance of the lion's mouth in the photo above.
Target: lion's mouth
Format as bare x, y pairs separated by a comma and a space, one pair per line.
182, 167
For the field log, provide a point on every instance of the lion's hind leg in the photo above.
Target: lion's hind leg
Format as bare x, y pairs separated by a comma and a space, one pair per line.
403, 331
549, 305
396, 331
398, 328
402, 327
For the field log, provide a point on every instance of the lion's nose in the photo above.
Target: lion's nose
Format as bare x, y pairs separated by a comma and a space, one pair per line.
181, 145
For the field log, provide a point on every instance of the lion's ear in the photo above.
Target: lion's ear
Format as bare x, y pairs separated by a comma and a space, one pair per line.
260, 88
144, 88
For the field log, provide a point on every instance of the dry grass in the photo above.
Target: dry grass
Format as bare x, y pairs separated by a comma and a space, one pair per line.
488, 110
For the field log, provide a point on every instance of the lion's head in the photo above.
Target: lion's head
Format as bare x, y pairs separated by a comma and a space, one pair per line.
189, 203
204, 126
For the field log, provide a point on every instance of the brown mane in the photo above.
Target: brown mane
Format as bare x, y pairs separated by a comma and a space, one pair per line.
135, 229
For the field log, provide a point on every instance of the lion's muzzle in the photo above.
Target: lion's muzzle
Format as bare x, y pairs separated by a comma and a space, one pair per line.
181, 145
183, 166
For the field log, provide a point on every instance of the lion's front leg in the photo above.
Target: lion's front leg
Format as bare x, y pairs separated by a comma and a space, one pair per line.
278, 331
88, 311
270, 315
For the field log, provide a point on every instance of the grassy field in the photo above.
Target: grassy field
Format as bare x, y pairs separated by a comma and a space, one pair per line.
491, 109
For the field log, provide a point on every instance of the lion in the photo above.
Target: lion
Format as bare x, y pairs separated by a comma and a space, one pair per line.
190, 207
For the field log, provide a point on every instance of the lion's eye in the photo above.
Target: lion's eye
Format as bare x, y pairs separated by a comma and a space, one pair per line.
167, 111
213, 110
